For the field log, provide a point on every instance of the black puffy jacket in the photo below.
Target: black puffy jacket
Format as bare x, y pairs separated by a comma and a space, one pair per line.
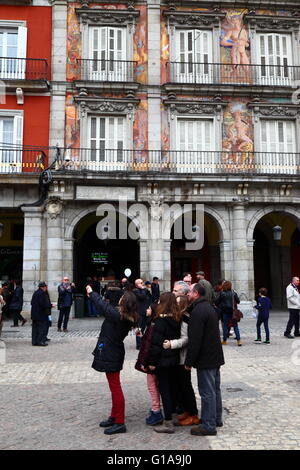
225, 301
109, 353
165, 327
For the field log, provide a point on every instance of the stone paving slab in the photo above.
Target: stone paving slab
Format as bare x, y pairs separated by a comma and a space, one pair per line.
51, 398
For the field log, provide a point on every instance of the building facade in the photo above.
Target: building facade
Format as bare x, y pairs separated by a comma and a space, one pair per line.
159, 103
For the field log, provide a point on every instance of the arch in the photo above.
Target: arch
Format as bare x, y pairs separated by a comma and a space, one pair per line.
268, 210
74, 219
215, 215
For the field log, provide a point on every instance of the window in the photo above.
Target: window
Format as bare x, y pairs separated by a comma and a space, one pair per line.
275, 58
195, 145
107, 137
13, 42
11, 136
278, 136
194, 54
107, 54
278, 146
195, 134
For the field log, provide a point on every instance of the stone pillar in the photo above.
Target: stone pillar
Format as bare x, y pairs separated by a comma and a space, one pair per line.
226, 259
166, 281
144, 265
33, 217
154, 93
241, 258
58, 67
54, 246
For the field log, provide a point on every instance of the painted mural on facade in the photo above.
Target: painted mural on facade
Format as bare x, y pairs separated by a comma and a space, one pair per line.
238, 141
235, 48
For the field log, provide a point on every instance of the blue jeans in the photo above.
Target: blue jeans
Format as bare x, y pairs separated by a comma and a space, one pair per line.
209, 384
226, 318
91, 308
259, 322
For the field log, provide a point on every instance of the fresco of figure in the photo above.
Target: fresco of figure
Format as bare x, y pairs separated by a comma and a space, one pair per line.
237, 144
236, 37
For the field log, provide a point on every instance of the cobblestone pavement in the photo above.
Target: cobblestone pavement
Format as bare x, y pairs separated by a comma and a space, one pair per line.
51, 398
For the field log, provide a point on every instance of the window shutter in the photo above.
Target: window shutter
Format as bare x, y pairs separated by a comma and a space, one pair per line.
22, 51
18, 130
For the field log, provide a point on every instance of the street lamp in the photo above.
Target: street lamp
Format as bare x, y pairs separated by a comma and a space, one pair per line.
277, 230
1, 229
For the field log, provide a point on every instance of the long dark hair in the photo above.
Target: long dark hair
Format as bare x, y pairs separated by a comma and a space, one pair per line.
168, 306
129, 308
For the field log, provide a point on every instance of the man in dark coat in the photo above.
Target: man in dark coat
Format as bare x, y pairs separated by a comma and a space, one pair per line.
204, 352
40, 306
65, 300
16, 304
144, 300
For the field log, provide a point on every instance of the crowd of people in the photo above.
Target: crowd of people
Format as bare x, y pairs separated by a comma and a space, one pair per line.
175, 332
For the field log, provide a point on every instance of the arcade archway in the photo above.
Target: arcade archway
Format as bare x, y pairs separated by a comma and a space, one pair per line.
11, 244
206, 259
107, 259
276, 261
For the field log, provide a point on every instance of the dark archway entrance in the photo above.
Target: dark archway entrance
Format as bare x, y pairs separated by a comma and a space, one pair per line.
275, 262
106, 259
11, 245
207, 259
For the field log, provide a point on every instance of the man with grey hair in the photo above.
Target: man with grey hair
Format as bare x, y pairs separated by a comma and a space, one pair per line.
181, 288
293, 304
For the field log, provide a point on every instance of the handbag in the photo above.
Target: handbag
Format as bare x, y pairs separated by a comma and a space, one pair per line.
236, 313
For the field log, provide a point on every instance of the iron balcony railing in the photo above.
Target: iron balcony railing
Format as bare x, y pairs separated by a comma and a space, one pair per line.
180, 161
106, 70
227, 74
12, 68
35, 160
22, 160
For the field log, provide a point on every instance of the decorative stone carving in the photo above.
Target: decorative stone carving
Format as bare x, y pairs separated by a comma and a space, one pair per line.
288, 111
104, 106
271, 23
108, 17
198, 108
155, 201
54, 207
194, 19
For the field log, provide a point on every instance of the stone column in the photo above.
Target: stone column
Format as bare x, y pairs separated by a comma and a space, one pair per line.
154, 92
226, 259
58, 67
31, 252
144, 265
241, 258
54, 246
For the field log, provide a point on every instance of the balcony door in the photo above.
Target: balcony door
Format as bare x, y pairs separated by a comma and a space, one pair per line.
107, 138
11, 134
275, 59
195, 146
13, 52
193, 56
108, 54
278, 147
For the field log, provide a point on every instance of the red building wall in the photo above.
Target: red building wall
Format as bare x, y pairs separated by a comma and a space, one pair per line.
39, 29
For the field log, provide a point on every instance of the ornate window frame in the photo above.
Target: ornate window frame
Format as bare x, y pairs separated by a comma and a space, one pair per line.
93, 106
194, 19
107, 17
274, 24
274, 111
197, 109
